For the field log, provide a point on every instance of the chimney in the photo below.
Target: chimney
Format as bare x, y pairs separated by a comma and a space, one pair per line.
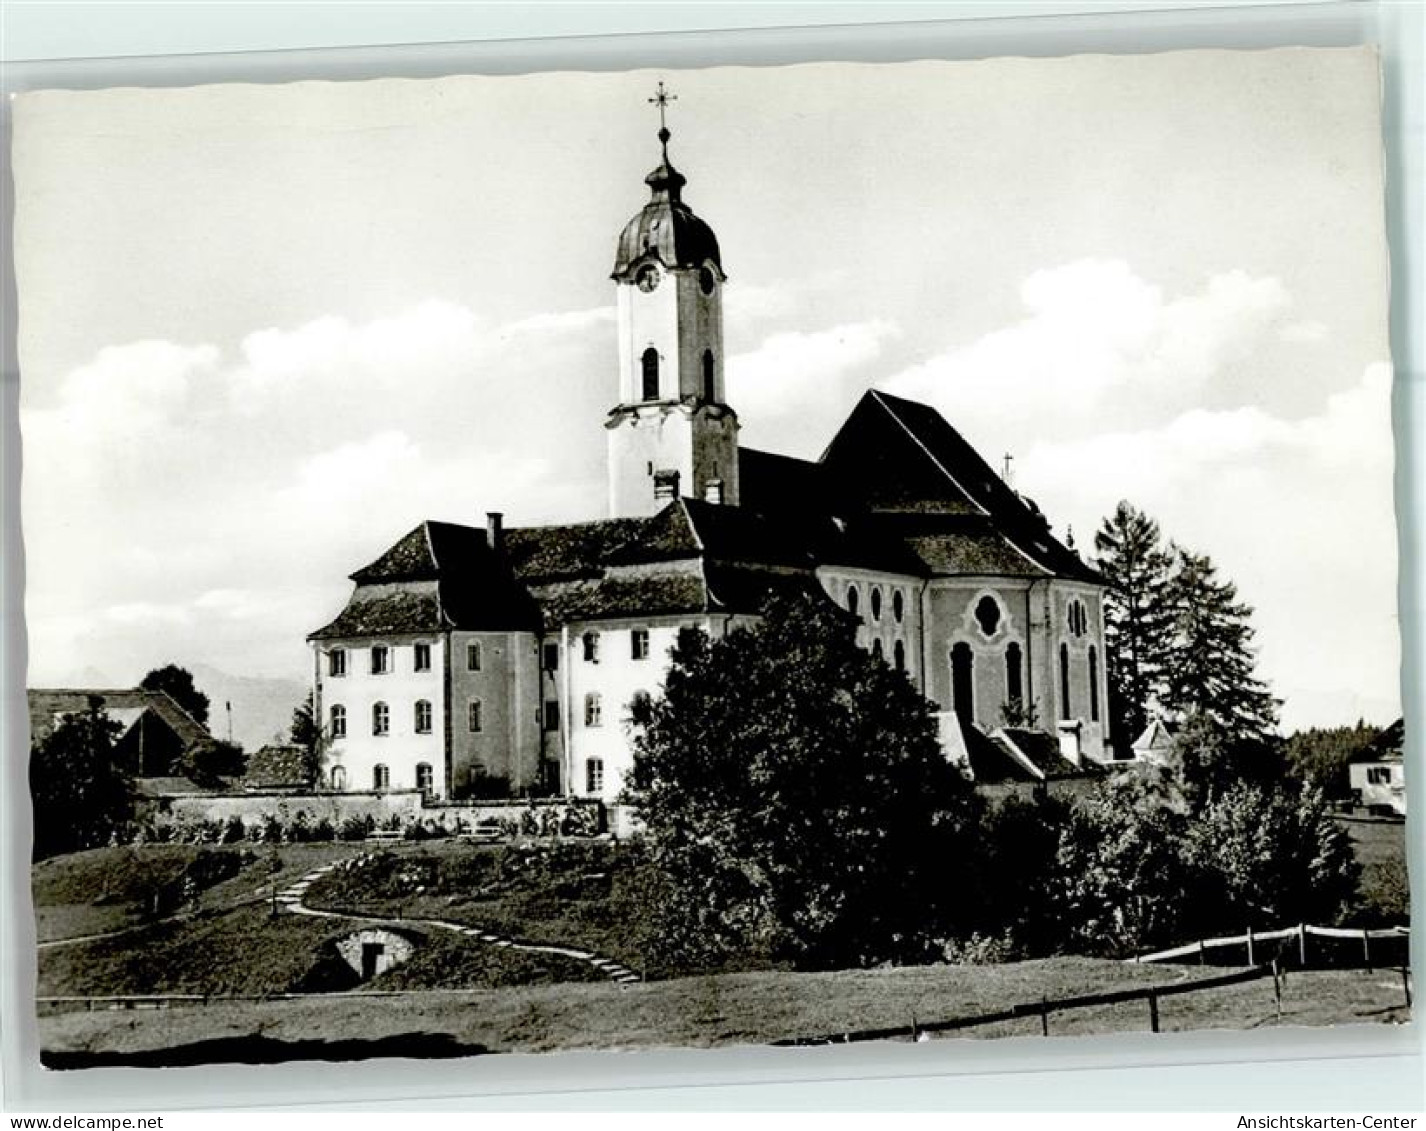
713, 491
665, 484
494, 531
1070, 748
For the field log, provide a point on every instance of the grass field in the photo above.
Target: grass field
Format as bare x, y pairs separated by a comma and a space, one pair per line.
113, 889
722, 1009
248, 951
460, 997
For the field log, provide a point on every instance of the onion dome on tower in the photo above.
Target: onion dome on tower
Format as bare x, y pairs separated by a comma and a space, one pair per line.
666, 227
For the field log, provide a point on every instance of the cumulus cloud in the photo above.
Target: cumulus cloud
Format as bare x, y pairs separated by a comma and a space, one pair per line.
190, 504
801, 384
1097, 337
748, 306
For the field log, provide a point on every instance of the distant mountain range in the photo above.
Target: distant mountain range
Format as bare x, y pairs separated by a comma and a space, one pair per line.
261, 707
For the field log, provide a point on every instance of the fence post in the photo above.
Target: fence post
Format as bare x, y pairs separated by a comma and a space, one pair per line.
1302, 945
1406, 985
1201, 950
1366, 948
1153, 1012
1250, 946
1277, 988
1044, 1017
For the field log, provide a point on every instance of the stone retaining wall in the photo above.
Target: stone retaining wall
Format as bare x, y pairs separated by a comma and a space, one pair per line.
395, 810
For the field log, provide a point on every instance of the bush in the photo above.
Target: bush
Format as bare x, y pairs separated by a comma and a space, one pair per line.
356, 828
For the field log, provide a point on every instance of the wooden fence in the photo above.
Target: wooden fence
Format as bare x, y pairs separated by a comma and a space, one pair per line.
1292, 942
1042, 1009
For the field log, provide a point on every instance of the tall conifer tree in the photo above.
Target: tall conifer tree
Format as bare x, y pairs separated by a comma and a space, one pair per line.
1138, 616
1211, 671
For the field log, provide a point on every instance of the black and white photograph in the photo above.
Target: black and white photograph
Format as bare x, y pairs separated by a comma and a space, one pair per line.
744, 556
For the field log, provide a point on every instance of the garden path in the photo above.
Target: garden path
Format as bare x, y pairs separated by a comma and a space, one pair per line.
293, 899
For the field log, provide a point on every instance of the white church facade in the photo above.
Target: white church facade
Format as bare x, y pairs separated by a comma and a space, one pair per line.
472, 661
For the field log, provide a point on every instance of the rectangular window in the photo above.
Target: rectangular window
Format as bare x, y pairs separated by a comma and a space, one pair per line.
591, 647
1378, 775
423, 716
423, 657
473, 716
552, 657
594, 775
337, 662
472, 657
380, 659
552, 714
639, 643
380, 719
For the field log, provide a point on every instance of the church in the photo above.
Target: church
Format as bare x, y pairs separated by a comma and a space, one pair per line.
486, 661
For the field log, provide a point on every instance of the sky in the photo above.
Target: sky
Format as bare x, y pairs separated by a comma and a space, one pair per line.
266, 330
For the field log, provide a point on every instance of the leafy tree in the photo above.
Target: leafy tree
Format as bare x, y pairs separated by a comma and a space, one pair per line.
81, 795
1024, 888
1208, 759
207, 761
1211, 667
178, 683
1138, 617
1270, 856
307, 734
1126, 882
810, 817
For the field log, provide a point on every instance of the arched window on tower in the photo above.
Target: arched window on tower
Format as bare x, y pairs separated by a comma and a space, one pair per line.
1064, 683
651, 374
898, 656
1014, 676
1093, 684
710, 390
854, 601
963, 683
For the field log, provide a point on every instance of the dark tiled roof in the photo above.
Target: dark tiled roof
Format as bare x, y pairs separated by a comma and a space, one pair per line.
630, 595
411, 559
990, 762
1390, 744
275, 765
900, 456
440, 575
802, 502
772, 483
550, 553
48, 705
971, 552
387, 610
742, 589
1043, 751
738, 534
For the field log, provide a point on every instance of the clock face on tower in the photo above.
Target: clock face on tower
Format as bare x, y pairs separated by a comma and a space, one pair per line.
647, 278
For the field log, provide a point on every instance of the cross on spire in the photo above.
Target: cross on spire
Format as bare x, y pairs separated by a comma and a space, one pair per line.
662, 97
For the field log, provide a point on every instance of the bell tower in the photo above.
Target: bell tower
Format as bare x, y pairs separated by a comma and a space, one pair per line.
672, 432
